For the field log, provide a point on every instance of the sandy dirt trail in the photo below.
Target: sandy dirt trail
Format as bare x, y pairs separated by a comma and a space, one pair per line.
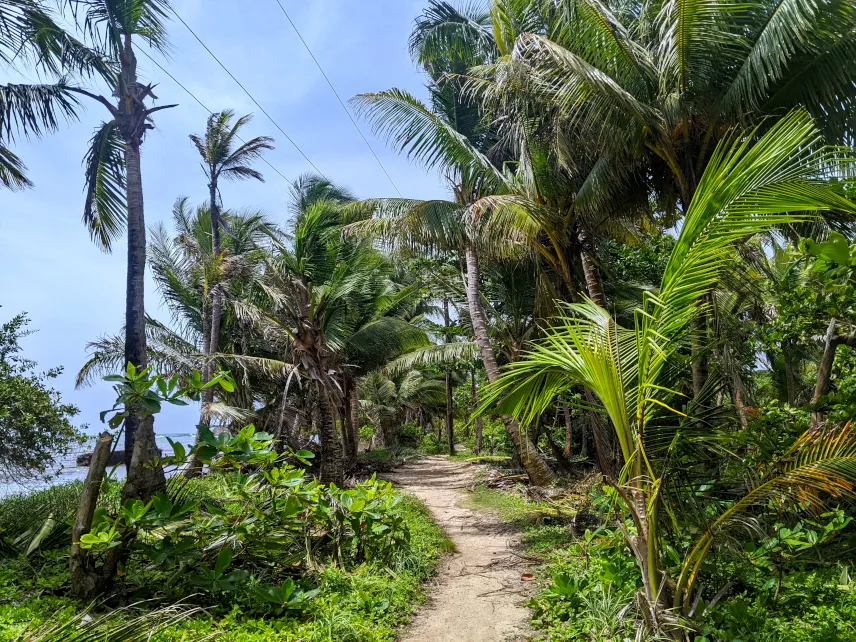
478, 595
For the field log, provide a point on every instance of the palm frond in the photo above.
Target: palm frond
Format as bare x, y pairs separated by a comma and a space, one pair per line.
410, 126
433, 355
105, 210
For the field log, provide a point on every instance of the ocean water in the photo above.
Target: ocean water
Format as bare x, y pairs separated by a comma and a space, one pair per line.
67, 469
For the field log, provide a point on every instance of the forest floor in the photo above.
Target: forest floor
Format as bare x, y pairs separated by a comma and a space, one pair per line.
481, 588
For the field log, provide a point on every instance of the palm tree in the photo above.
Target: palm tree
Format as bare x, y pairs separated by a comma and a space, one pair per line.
222, 157
29, 35
385, 399
329, 311
747, 189
114, 185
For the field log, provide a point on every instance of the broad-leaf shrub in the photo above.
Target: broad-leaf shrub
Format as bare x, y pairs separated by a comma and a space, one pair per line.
260, 532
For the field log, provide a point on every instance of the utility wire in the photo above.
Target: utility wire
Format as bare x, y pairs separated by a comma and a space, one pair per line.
338, 97
264, 111
192, 95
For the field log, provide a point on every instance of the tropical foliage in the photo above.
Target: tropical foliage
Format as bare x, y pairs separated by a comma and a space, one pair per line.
645, 267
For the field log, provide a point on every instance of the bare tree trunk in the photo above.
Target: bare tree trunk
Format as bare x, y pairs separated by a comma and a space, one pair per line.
479, 424
450, 401
144, 479
86, 583
332, 462
824, 368
135, 309
354, 402
569, 435
699, 360
450, 413
790, 382
594, 283
532, 461
347, 420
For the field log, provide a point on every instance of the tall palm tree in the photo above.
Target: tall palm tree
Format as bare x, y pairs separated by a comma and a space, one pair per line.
222, 157
746, 189
114, 183
31, 38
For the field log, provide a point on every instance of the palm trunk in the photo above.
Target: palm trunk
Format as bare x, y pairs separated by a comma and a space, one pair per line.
332, 468
479, 425
354, 411
594, 282
213, 304
569, 435
135, 310
347, 425
450, 402
450, 414
532, 461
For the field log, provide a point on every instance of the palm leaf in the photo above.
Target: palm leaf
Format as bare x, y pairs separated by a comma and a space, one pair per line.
105, 210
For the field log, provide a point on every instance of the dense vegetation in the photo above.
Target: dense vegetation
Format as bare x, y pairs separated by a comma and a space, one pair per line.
645, 267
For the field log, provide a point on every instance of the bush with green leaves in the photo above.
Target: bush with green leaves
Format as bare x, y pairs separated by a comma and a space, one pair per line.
260, 530
35, 424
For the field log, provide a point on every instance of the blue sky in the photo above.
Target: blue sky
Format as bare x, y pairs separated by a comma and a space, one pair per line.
72, 291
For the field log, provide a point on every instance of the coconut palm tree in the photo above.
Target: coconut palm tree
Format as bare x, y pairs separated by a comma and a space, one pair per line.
114, 183
223, 157
328, 309
747, 188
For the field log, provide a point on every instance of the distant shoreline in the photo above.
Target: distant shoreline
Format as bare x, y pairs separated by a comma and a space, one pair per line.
68, 470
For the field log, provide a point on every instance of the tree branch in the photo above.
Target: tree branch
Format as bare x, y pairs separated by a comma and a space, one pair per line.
100, 99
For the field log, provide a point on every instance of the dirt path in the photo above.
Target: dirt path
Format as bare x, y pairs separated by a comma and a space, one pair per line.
478, 595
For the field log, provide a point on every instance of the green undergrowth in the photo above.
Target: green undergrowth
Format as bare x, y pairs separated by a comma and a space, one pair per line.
362, 604
586, 581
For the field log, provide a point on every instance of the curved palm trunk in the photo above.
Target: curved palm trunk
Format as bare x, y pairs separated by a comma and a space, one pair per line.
531, 460
594, 282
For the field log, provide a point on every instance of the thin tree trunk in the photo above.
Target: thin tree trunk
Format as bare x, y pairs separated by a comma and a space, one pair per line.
450, 413
354, 410
478, 422
532, 461
450, 401
86, 583
594, 282
569, 435
350, 451
135, 309
790, 382
824, 368
332, 468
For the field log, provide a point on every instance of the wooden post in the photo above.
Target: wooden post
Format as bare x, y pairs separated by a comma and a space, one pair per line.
85, 582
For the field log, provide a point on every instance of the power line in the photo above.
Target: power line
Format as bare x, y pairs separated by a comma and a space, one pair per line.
338, 97
246, 91
192, 95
